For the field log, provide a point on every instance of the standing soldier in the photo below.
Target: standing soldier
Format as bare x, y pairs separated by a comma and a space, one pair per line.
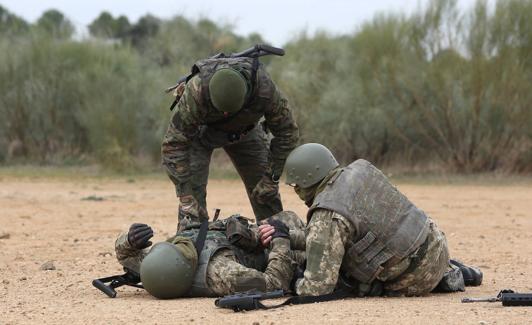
363, 231
220, 107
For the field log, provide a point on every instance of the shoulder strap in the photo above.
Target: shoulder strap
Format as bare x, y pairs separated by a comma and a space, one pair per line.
202, 235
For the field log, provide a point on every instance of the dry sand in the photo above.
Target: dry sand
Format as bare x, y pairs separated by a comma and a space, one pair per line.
47, 220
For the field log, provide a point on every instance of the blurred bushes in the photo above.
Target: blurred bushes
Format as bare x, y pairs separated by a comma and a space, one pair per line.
438, 87
65, 101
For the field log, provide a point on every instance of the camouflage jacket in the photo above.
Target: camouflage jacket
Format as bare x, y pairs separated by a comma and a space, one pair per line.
328, 236
194, 111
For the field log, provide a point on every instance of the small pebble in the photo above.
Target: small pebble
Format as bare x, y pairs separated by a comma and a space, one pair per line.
48, 266
4, 235
93, 198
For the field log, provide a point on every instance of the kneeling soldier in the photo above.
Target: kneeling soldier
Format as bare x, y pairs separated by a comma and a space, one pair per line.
362, 230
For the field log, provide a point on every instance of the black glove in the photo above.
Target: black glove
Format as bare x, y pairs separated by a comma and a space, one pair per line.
139, 235
281, 230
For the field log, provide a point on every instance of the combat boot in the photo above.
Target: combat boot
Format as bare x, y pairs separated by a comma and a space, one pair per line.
452, 281
472, 275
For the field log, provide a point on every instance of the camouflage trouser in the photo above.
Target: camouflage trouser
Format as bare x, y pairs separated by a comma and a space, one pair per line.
226, 275
424, 273
249, 156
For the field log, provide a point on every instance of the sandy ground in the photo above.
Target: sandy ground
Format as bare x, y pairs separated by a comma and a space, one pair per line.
47, 220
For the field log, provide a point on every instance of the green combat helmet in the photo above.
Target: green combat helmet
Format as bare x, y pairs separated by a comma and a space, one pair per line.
165, 272
228, 89
308, 164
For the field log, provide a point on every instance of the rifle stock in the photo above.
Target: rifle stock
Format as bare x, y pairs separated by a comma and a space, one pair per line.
129, 278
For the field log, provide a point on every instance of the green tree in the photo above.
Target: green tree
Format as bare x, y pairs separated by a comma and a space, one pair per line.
56, 24
105, 26
11, 24
145, 28
122, 27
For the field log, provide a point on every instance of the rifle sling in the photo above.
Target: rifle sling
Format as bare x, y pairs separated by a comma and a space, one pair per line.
202, 235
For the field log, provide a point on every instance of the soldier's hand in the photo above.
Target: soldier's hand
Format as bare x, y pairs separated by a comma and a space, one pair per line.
139, 235
266, 231
271, 230
265, 190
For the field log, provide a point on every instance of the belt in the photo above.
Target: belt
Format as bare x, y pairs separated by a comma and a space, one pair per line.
235, 136
415, 259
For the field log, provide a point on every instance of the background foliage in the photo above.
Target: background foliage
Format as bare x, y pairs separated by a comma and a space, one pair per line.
436, 89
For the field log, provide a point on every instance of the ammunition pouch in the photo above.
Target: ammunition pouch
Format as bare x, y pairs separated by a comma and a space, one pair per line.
239, 234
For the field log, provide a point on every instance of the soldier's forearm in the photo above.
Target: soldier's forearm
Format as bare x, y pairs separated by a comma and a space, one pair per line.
280, 267
127, 255
325, 247
122, 247
282, 125
297, 239
280, 148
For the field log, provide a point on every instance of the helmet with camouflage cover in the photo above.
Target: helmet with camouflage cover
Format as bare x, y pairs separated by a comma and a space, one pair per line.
165, 272
228, 89
308, 164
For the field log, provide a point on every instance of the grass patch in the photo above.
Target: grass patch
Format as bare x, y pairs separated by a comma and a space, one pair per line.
221, 167
74, 172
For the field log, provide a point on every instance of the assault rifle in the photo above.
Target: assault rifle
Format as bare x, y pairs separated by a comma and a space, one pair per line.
249, 300
508, 298
130, 278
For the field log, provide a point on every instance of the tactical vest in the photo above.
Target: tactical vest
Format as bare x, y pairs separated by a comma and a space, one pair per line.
215, 241
261, 91
389, 227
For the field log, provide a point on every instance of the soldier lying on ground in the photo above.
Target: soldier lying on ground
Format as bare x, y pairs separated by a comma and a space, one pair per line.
232, 259
363, 230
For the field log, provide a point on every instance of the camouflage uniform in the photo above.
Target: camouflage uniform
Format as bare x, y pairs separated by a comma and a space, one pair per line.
197, 128
363, 230
229, 269
328, 233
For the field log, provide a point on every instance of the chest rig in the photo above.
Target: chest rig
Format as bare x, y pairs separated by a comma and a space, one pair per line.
388, 226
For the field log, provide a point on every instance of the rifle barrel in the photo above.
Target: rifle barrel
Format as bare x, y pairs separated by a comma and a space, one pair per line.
491, 299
